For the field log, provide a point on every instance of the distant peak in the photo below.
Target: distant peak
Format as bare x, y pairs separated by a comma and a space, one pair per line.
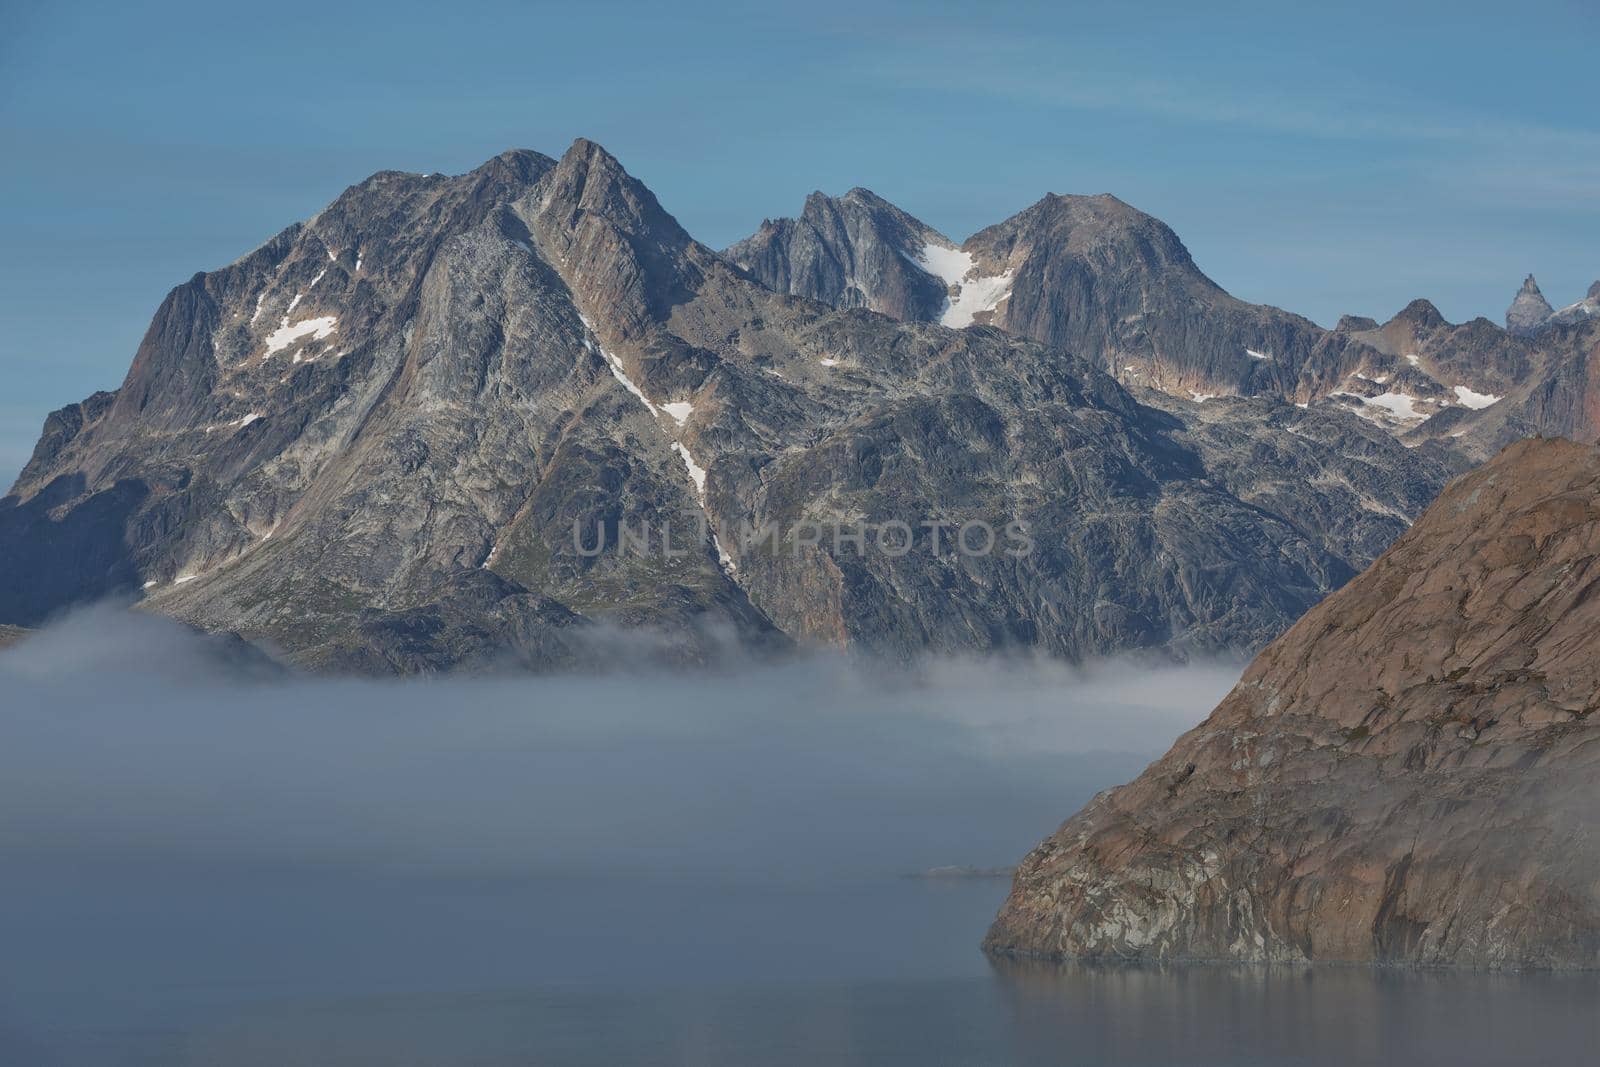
1529, 310
864, 195
1594, 291
1422, 312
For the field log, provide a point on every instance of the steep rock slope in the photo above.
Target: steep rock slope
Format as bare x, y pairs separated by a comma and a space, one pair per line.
848, 252
1410, 774
388, 440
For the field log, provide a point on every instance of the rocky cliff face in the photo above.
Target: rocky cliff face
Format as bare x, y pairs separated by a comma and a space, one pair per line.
1408, 775
447, 420
857, 250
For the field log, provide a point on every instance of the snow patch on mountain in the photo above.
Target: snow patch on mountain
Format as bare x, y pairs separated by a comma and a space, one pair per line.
617, 370
318, 329
697, 473
1476, 401
972, 296
1391, 404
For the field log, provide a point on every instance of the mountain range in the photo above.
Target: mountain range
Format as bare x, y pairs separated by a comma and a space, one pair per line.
520, 417
1117, 287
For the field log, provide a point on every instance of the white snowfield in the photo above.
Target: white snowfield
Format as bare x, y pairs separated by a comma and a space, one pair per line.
1396, 405
318, 329
1476, 401
1253, 354
680, 410
973, 296
1400, 405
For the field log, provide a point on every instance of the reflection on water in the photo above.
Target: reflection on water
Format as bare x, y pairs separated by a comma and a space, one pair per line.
1301, 1015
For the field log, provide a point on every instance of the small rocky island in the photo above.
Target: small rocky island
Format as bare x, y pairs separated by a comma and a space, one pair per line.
1410, 775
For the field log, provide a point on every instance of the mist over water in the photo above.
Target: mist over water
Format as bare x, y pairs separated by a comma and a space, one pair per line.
694, 867
127, 743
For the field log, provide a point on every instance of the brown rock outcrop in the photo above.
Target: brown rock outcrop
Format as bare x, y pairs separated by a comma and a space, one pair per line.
1410, 774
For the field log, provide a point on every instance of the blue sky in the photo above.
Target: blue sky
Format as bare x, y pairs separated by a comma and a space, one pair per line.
1344, 159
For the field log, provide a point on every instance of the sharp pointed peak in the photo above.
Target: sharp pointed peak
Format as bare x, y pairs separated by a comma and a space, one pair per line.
1530, 286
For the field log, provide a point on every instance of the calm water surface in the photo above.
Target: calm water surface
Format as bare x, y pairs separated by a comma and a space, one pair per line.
271, 971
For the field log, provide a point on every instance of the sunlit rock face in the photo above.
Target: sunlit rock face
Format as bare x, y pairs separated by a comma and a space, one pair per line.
1408, 775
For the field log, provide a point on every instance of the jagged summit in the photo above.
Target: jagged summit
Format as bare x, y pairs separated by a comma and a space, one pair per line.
853, 251
1096, 277
1529, 309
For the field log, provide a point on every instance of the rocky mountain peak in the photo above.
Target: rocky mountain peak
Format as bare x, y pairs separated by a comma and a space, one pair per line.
1420, 313
1594, 291
1528, 310
855, 250
590, 180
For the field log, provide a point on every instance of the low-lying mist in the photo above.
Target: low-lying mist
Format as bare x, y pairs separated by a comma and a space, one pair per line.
125, 744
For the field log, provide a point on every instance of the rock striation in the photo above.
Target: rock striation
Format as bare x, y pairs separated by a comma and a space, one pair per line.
1410, 775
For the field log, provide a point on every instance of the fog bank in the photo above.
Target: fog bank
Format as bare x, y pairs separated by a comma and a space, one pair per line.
126, 743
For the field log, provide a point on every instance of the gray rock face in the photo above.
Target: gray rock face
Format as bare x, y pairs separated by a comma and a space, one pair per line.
853, 251
1529, 309
387, 439
1408, 775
